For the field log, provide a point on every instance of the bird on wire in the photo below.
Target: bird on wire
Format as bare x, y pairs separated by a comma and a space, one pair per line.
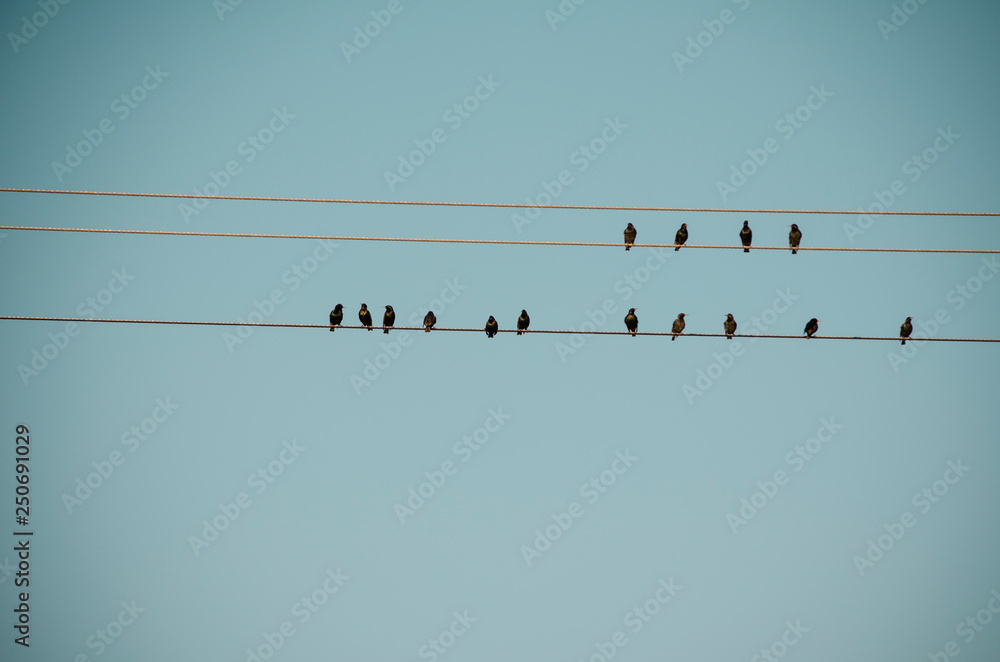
681, 236
729, 326
906, 330
429, 321
812, 326
388, 319
794, 237
522, 322
491, 327
631, 321
678, 327
746, 236
629, 236
365, 316
336, 316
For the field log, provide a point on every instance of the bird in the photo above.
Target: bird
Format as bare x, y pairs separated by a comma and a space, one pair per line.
729, 325
429, 321
336, 316
794, 237
388, 319
906, 330
365, 316
631, 321
746, 234
812, 326
522, 322
491, 327
678, 327
681, 236
629, 236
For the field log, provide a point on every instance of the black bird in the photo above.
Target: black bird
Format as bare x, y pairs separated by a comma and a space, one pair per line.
491, 327
629, 236
522, 322
336, 316
365, 316
631, 321
681, 236
678, 327
812, 326
794, 237
429, 321
746, 235
729, 325
906, 330
388, 319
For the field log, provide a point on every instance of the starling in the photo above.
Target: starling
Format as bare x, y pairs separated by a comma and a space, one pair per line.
629, 236
522, 322
631, 321
491, 327
812, 326
745, 236
906, 330
681, 236
388, 319
794, 237
729, 325
365, 316
678, 327
336, 316
429, 321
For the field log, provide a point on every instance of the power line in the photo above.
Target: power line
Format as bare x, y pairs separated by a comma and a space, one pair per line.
512, 205
275, 325
487, 241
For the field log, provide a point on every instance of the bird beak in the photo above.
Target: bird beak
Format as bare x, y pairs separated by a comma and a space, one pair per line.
635, 309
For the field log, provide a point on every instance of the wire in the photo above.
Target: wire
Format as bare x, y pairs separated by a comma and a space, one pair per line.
486, 241
275, 325
496, 204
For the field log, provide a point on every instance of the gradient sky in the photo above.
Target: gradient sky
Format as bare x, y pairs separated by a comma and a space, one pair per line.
344, 449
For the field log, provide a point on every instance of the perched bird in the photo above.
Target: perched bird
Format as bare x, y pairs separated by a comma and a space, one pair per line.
906, 330
746, 235
522, 322
794, 237
388, 319
429, 321
678, 327
812, 326
365, 316
681, 236
629, 236
729, 325
336, 316
631, 321
491, 327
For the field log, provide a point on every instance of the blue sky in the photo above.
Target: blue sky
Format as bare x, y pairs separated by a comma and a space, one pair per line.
256, 491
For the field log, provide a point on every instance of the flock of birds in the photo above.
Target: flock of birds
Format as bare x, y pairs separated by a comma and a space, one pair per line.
746, 237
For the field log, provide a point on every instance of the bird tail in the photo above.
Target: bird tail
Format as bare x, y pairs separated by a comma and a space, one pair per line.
746, 250
386, 330
674, 338
677, 248
904, 342
794, 252
627, 247
332, 329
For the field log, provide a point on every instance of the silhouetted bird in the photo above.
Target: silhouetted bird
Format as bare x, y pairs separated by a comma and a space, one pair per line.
365, 316
629, 236
729, 325
746, 235
681, 236
388, 319
429, 321
678, 327
336, 316
906, 330
522, 322
491, 327
794, 237
631, 321
812, 326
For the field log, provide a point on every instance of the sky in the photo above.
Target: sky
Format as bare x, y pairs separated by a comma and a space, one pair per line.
241, 493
